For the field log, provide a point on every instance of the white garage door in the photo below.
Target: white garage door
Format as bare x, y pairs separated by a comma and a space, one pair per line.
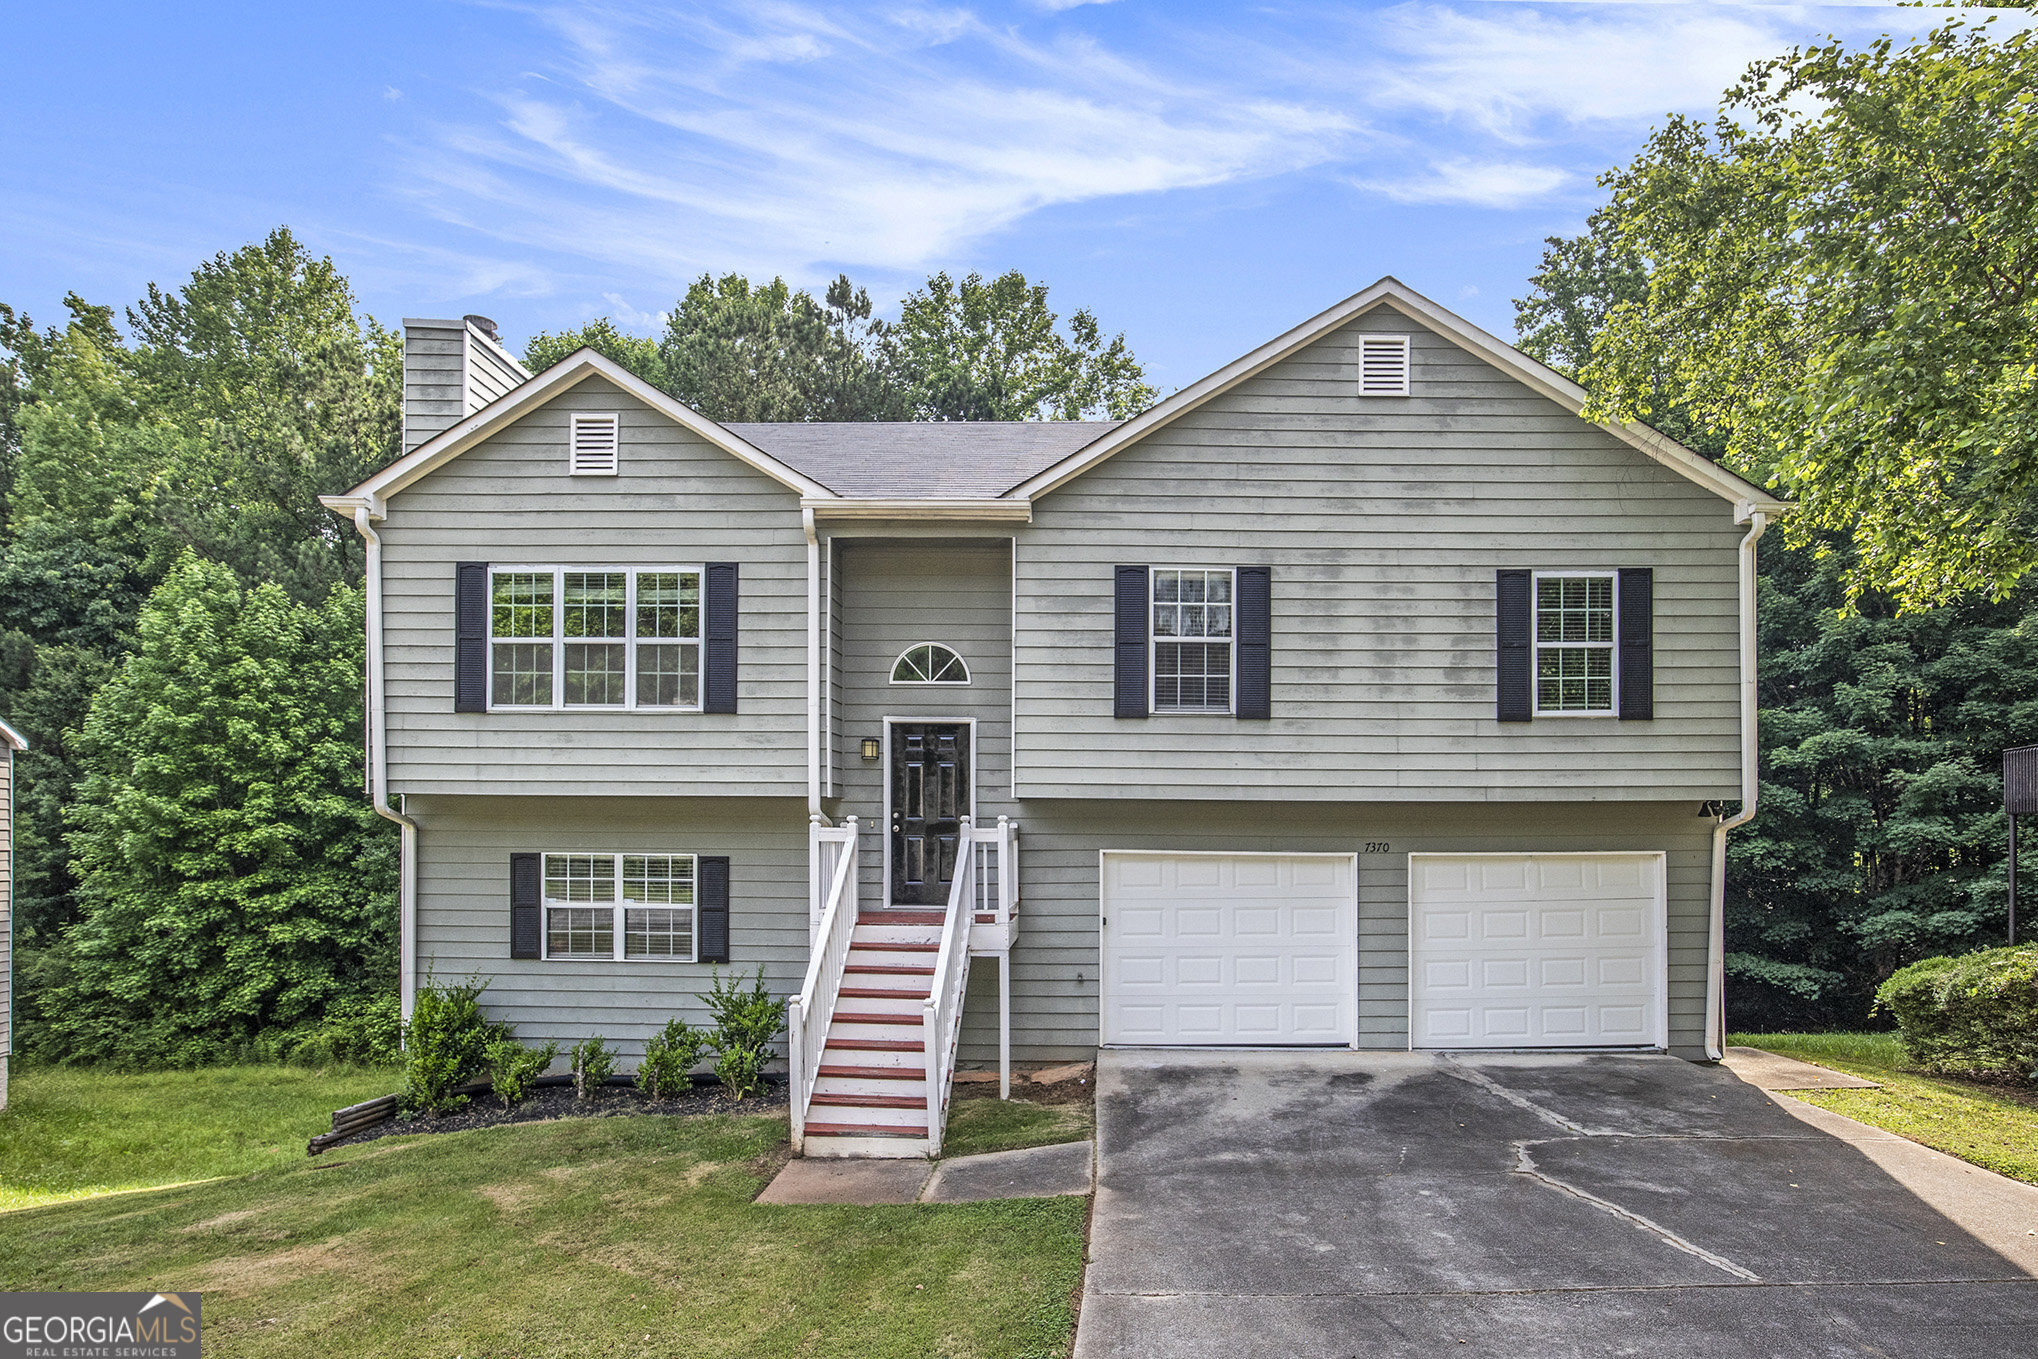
1536, 950
1243, 950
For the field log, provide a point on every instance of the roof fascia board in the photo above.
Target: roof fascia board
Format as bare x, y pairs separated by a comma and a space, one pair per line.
1544, 380
568, 373
10, 736
1007, 508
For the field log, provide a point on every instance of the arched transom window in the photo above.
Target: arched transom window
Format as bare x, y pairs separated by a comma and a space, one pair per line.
929, 663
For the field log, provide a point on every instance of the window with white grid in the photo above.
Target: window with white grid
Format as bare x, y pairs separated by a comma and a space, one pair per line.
620, 906
1192, 633
569, 637
1575, 643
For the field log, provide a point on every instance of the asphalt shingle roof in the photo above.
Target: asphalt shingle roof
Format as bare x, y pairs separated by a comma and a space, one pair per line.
923, 459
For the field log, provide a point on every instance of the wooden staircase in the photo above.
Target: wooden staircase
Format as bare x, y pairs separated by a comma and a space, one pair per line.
870, 1089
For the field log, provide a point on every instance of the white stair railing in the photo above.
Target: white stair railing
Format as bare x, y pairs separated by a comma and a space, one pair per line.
941, 1016
809, 1013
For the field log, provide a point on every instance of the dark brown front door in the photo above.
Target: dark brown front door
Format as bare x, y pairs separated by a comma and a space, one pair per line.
930, 794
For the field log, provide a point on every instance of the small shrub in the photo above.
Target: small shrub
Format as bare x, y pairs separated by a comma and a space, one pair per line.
593, 1063
747, 1022
363, 1031
669, 1057
1974, 1015
445, 1044
513, 1068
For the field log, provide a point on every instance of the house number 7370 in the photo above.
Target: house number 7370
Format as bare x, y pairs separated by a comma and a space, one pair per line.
1377, 847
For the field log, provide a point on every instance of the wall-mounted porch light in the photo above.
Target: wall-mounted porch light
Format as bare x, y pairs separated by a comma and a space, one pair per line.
871, 748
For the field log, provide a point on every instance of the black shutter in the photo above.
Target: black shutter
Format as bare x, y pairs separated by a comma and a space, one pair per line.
1254, 617
1514, 633
470, 637
711, 906
526, 910
1129, 681
718, 630
1637, 643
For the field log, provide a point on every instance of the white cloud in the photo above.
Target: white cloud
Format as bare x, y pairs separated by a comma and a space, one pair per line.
1490, 184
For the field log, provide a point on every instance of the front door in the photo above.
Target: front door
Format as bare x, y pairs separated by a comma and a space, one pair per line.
930, 795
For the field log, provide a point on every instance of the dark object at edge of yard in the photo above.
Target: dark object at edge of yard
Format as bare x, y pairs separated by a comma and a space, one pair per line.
554, 1098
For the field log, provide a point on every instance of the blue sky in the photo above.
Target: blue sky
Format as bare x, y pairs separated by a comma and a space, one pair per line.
1201, 176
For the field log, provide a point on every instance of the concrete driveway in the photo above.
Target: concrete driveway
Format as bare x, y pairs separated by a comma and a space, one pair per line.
1399, 1204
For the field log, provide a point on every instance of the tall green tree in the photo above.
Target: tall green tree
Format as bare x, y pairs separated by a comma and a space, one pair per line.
739, 352
638, 354
233, 878
1843, 284
977, 349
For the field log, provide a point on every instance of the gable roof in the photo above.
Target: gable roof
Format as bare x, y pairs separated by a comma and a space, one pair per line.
10, 737
1745, 494
563, 376
923, 459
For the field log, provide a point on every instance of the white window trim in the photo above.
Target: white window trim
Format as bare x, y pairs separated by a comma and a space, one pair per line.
1536, 652
573, 423
1407, 364
1152, 655
931, 683
630, 640
616, 954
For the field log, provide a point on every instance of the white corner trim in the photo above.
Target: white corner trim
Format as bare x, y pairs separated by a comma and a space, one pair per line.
1540, 378
563, 376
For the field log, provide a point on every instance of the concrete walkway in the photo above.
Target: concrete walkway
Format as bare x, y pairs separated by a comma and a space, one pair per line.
1030, 1173
1341, 1204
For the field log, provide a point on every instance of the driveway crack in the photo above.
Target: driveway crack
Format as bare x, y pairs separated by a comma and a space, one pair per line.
1525, 1164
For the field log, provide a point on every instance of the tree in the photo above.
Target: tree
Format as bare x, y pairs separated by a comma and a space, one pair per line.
737, 352
234, 881
1843, 283
636, 353
1881, 837
977, 350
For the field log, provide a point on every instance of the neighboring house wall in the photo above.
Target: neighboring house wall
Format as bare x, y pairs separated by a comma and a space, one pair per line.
6, 913
465, 845
1056, 961
894, 595
676, 501
1383, 520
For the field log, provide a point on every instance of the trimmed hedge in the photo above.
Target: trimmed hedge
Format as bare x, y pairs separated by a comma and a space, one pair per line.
1974, 1015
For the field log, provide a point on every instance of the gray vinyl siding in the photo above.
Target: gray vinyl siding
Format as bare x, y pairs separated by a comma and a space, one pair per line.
6, 913
1056, 963
434, 378
464, 846
1383, 520
491, 372
895, 594
677, 501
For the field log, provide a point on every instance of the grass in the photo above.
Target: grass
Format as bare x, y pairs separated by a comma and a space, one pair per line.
615, 1236
1989, 1126
70, 1134
979, 1124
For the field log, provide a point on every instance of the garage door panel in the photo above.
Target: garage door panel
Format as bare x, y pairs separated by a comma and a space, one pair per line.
1242, 949
1536, 950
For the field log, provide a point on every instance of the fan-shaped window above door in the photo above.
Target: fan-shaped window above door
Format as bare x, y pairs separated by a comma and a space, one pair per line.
929, 663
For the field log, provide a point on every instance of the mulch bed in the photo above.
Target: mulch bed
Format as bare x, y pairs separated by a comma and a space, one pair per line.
554, 1102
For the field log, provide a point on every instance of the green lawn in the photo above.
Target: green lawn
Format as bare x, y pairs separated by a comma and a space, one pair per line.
979, 1124
616, 1236
70, 1133
1985, 1125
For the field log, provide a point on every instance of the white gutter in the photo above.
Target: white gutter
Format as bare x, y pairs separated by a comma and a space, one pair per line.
378, 772
1716, 940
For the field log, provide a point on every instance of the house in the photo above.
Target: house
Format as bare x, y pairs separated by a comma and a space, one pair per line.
1361, 694
10, 742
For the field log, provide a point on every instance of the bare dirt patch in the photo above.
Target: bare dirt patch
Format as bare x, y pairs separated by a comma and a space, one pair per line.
252, 1273
223, 1220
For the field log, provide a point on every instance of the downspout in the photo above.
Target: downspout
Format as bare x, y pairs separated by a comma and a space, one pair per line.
814, 623
1716, 942
378, 774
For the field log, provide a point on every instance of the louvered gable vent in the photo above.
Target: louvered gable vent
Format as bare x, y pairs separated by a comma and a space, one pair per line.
593, 445
1383, 365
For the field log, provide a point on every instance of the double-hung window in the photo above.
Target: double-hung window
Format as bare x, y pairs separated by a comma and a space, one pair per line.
620, 906
566, 637
1192, 640
1575, 631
